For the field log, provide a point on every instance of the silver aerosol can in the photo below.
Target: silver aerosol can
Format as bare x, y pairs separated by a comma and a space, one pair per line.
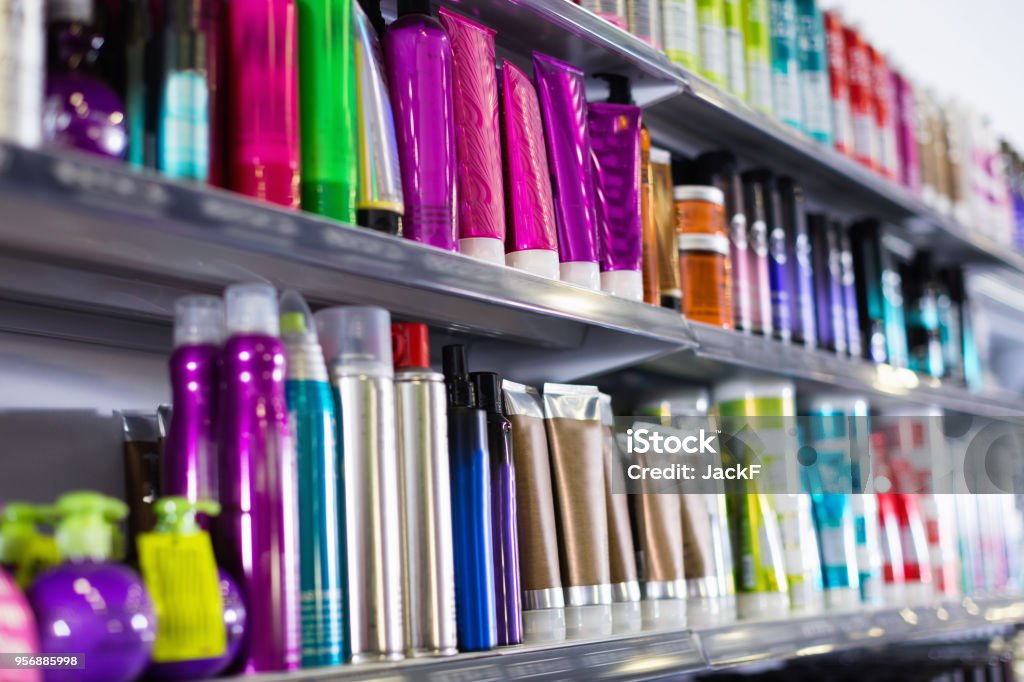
22, 66
428, 562
357, 344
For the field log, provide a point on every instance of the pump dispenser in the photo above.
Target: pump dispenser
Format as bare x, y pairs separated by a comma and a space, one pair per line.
471, 507
182, 560
17, 530
88, 604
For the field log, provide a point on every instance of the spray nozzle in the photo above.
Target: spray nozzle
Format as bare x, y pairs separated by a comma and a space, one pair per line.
296, 319
456, 376
85, 524
17, 530
178, 514
198, 320
619, 89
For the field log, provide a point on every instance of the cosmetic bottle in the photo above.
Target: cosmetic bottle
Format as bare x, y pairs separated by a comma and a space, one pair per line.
187, 90
357, 345
379, 204
263, 140
924, 340
427, 555
757, 41
321, 536
202, 619
531, 240
812, 58
504, 529
563, 106
418, 57
826, 254
17, 530
800, 274
481, 197
80, 111
681, 40
142, 81
665, 225
768, 292
328, 109
22, 67
839, 82
854, 344
711, 23
950, 327
786, 101
472, 532
189, 466
258, 533
18, 629
88, 604
704, 262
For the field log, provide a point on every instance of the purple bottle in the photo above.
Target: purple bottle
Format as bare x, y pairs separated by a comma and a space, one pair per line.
418, 56
504, 530
80, 111
89, 605
258, 527
190, 453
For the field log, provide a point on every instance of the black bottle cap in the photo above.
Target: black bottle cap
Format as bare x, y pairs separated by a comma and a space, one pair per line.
379, 220
762, 176
456, 377
412, 7
683, 171
619, 89
718, 162
488, 391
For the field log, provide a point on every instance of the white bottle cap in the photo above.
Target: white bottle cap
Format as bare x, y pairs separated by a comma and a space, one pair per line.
198, 320
358, 339
843, 599
581, 273
664, 614
483, 248
627, 617
541, 626
252, 309
538, 261
762, 605
624, 284
588, 622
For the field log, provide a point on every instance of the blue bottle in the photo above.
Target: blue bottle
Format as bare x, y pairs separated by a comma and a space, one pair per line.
470, 467
322, 549
762, 199
827, 258
798, 259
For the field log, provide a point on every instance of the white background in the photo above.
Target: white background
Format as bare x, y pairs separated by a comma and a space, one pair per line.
973, 49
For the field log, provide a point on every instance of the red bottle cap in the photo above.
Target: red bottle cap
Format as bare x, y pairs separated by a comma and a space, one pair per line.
410, 343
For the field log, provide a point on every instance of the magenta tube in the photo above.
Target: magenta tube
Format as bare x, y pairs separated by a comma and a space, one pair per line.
615, 140
418, 55
481, 196
906, 133
531, 243
263, 154
564, 107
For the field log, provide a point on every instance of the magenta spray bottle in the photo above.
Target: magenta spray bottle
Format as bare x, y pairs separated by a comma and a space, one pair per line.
418, 57
89, 605
257, 539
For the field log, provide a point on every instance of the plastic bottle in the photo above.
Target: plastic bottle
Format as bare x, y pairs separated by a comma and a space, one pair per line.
88, 604
21, 71
704, 262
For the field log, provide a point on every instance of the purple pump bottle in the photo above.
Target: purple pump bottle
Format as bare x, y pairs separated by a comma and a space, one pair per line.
89, 605
258, 527
190, 452
418, 56
80, 111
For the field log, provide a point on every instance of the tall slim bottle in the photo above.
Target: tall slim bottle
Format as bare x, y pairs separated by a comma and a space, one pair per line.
263, 149
142, 82
321, 530
327, 108
418, 57
190, 451
183, 124
469, 459
258, 525
427, 556
504, 529
357, 344
785, 64
21, 71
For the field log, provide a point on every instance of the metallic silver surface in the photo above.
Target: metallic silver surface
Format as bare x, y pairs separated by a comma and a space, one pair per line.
372, 515
627, 591
551, 598
427, 558
306, 362
698, 588
588, 595
665, 589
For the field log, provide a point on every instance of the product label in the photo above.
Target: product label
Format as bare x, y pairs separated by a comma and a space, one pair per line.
786, 96
735, 48
181, 576
712, 53
817, 117
645, 21
833, 547
759, 86
715, 243
185, 126
680, 25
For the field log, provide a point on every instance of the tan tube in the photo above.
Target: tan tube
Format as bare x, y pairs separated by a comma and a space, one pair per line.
573, 418
665, 224
539, 570
626, 614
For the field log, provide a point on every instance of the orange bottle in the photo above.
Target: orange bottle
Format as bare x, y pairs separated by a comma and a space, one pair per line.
652, 288
705, 270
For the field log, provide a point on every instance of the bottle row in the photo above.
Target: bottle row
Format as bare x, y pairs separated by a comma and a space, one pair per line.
369, 508
818, 74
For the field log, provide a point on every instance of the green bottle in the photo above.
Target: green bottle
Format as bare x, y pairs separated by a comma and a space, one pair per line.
327, 108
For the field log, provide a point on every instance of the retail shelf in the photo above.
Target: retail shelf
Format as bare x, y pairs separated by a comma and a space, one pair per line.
679, 654
90, 235
721, 353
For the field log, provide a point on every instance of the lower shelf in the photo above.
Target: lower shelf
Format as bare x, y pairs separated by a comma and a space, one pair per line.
674, 654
